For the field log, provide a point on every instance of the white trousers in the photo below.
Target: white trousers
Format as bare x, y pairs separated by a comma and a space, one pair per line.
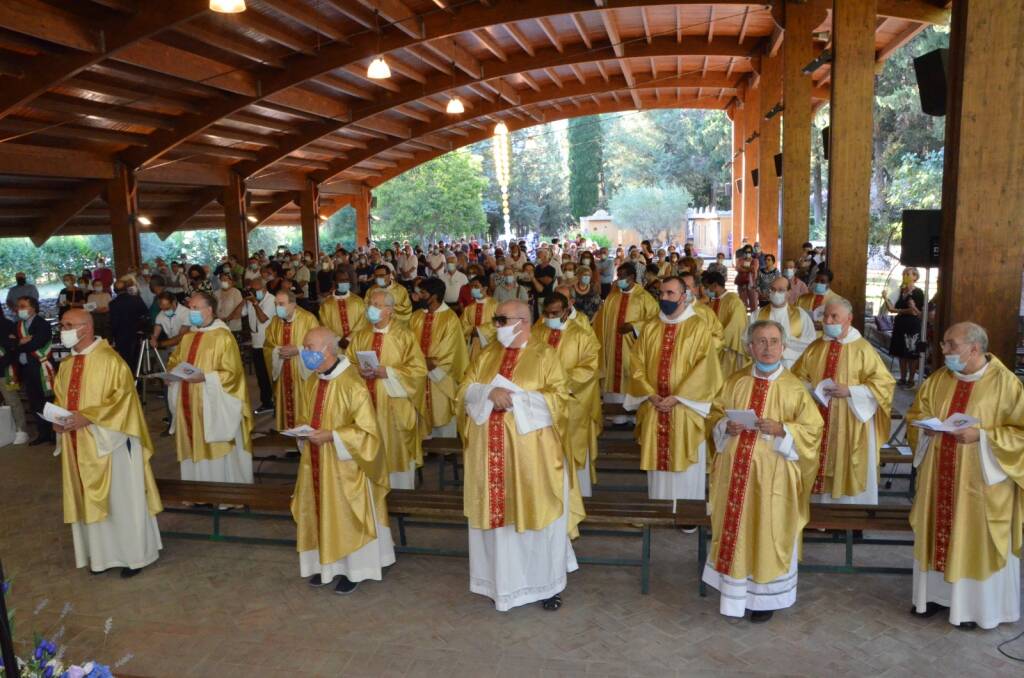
987, 603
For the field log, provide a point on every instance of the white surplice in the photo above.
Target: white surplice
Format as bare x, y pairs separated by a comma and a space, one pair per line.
987, 603
222, 422
739, 595
129, 537
371, 558
691, 483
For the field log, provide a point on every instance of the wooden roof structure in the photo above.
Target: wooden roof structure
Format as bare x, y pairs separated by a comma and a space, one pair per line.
185, 98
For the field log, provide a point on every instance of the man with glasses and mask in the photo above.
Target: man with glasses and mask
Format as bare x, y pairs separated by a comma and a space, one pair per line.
110, 496
674, 376
477, 327
967, 512
285, 335
761, 480
517, 494
795, 321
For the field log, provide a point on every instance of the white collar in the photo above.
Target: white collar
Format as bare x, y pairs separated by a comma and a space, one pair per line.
88, 349
338, 370
630, 289
975, 376
341, 296
851, 336
771, 377
687, 313
217, 324
572, 313
442, 308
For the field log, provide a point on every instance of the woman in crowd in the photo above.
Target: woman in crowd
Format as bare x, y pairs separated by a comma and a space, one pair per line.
907, 305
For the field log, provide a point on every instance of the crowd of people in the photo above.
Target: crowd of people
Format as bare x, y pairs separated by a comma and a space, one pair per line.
757, 394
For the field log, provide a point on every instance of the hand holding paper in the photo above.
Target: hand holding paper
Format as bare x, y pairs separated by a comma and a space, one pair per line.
745, 418
367, 360
822, 392
952, 424
303, 431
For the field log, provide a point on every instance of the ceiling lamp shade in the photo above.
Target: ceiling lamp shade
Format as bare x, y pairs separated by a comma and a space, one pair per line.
455, 106
227, 6
145, 221
378, 69
501, 128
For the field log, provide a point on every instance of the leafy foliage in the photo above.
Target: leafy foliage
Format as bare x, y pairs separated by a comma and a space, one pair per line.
586, 164
57, 256
651, 209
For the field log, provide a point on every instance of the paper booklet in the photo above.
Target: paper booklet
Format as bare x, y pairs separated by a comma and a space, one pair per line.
820, 391
367, 360
303, 431
54, 414
745, 418
952, 424
181, 372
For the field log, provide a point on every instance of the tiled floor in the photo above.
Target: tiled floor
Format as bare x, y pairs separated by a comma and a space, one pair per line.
209, 609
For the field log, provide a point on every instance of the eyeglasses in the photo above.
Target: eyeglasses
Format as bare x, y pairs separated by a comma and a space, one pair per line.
763, 342
502, 320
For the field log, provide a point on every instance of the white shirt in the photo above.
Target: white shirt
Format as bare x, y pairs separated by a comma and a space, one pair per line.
453, 283
257, 329
435, 262
227, 301
173, 325
407, 266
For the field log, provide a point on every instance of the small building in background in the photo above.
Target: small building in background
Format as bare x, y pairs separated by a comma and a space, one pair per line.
709, 230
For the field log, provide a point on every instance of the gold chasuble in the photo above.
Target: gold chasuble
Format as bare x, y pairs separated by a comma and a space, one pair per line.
343, 315
403, 305
814, 304
101, 386
674, 359
967, 514
796, 321
732, 314
396, 399
514, 479
636, 307
580, 356
287, 373
441, 340
845, 442
332, 502
212, 350
760, 496
476, 320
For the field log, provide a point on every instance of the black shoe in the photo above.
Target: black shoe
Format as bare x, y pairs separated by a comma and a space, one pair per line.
95, 573
552, 603
128, 573
292, 455
761, 616
316, 581
345, 586
43, 439
968, 626
930, 610
627, 426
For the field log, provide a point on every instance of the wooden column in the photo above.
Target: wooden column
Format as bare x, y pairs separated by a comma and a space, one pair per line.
309, 216
849, 177
797, 52
736, 113
362, 207
751, 127
768, 146
122, 198
983, 186
235, 225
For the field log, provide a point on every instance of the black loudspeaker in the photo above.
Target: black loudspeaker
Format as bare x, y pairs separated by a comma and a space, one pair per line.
930, 70
739, 186
753, 177
778, 164
922, 230
826, 138
373, 202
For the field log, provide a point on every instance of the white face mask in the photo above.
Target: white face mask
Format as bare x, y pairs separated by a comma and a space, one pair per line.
69, 338
507, 334
224, 284
777, 298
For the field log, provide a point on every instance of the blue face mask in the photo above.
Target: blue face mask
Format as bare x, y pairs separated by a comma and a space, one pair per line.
477, 293
381, 282
344, 287
832, 330
260, 294
23, 313
623, 284
281, 312
955, 363
585, 279
169, 314
195, 318
373, 314
668, 307
820, 288
311, 359
555, 323
767, 368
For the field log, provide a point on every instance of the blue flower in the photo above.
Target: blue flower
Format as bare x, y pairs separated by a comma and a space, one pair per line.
5, 587
100, 671
48, 673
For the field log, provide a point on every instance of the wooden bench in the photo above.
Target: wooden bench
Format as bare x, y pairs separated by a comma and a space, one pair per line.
607, 515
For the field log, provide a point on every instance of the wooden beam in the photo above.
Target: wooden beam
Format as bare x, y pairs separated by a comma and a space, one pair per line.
362, 203
122, 198
264, 212
577, 20
235, 225
61, 212
488, 41
48, 23
551, 33
768, 146
195, 203
751, 159
399, 14
739, 181
450, 51
611, 27
849, 202
520, 38
310, 217
306, 16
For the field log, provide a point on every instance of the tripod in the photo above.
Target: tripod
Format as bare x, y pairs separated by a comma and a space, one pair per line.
145, 365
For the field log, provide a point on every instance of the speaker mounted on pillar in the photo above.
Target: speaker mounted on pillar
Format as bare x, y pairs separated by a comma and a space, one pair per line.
753, 177
778, 164
930, 70
739, 186
922, 231
826, 139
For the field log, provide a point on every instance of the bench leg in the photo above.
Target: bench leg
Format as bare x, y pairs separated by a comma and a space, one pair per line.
702, 554
645, 565
216, 536
419, 476
443, 461
849, 548
401, 530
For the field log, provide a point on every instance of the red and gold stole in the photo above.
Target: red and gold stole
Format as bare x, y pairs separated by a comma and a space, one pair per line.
496, 449
314, 450
835, 348
664, 435
945, 479
619, 339
186, 395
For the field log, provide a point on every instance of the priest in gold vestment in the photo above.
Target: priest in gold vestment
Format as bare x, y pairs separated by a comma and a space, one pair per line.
395, 384
795, 321
383, 279
439, 332
517, 483
732, 314
476, 318
579, 354
212, 419
339, 504
761, 480
969, 504
285, 335
814, 301
675, 376
110, 497
343, 312
617, 324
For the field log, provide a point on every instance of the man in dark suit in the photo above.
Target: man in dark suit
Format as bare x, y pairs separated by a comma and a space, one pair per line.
128, 316
35, 372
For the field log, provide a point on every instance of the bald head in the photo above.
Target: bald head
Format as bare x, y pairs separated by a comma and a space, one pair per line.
79, 321
325, 342
517, 316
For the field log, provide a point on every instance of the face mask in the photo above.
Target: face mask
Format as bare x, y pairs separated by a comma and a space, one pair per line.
195, 318
281, 312
668, 307
955, 363
500, 267
260, 294
820, 288
97, 289
585, 279
133, 290
224, 284
570, 274
507, 334
767, 368
344, 287
555, 323
69, 337
477, 293
311, 359
688, 297
832, 330
451, 268
145, 271
373, 314
381, 282
23, 313
777, 298
169, 313
622, 283
510, 279
788, 273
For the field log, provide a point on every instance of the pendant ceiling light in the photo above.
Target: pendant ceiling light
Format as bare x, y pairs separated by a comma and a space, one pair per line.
501, 128
378, 69
145, 221
455, 106
227, 6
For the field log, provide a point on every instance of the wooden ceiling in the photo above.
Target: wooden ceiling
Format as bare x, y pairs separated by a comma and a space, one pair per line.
279, 95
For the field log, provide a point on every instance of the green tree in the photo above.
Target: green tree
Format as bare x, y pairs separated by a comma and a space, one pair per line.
586, 146
650, 209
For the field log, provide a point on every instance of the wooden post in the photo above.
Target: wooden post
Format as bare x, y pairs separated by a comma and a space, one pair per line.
981, 249
309, 200
768, 146
797, 52
362, 207
737, 177
751, 128
235, 226
849, 178
122, 198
